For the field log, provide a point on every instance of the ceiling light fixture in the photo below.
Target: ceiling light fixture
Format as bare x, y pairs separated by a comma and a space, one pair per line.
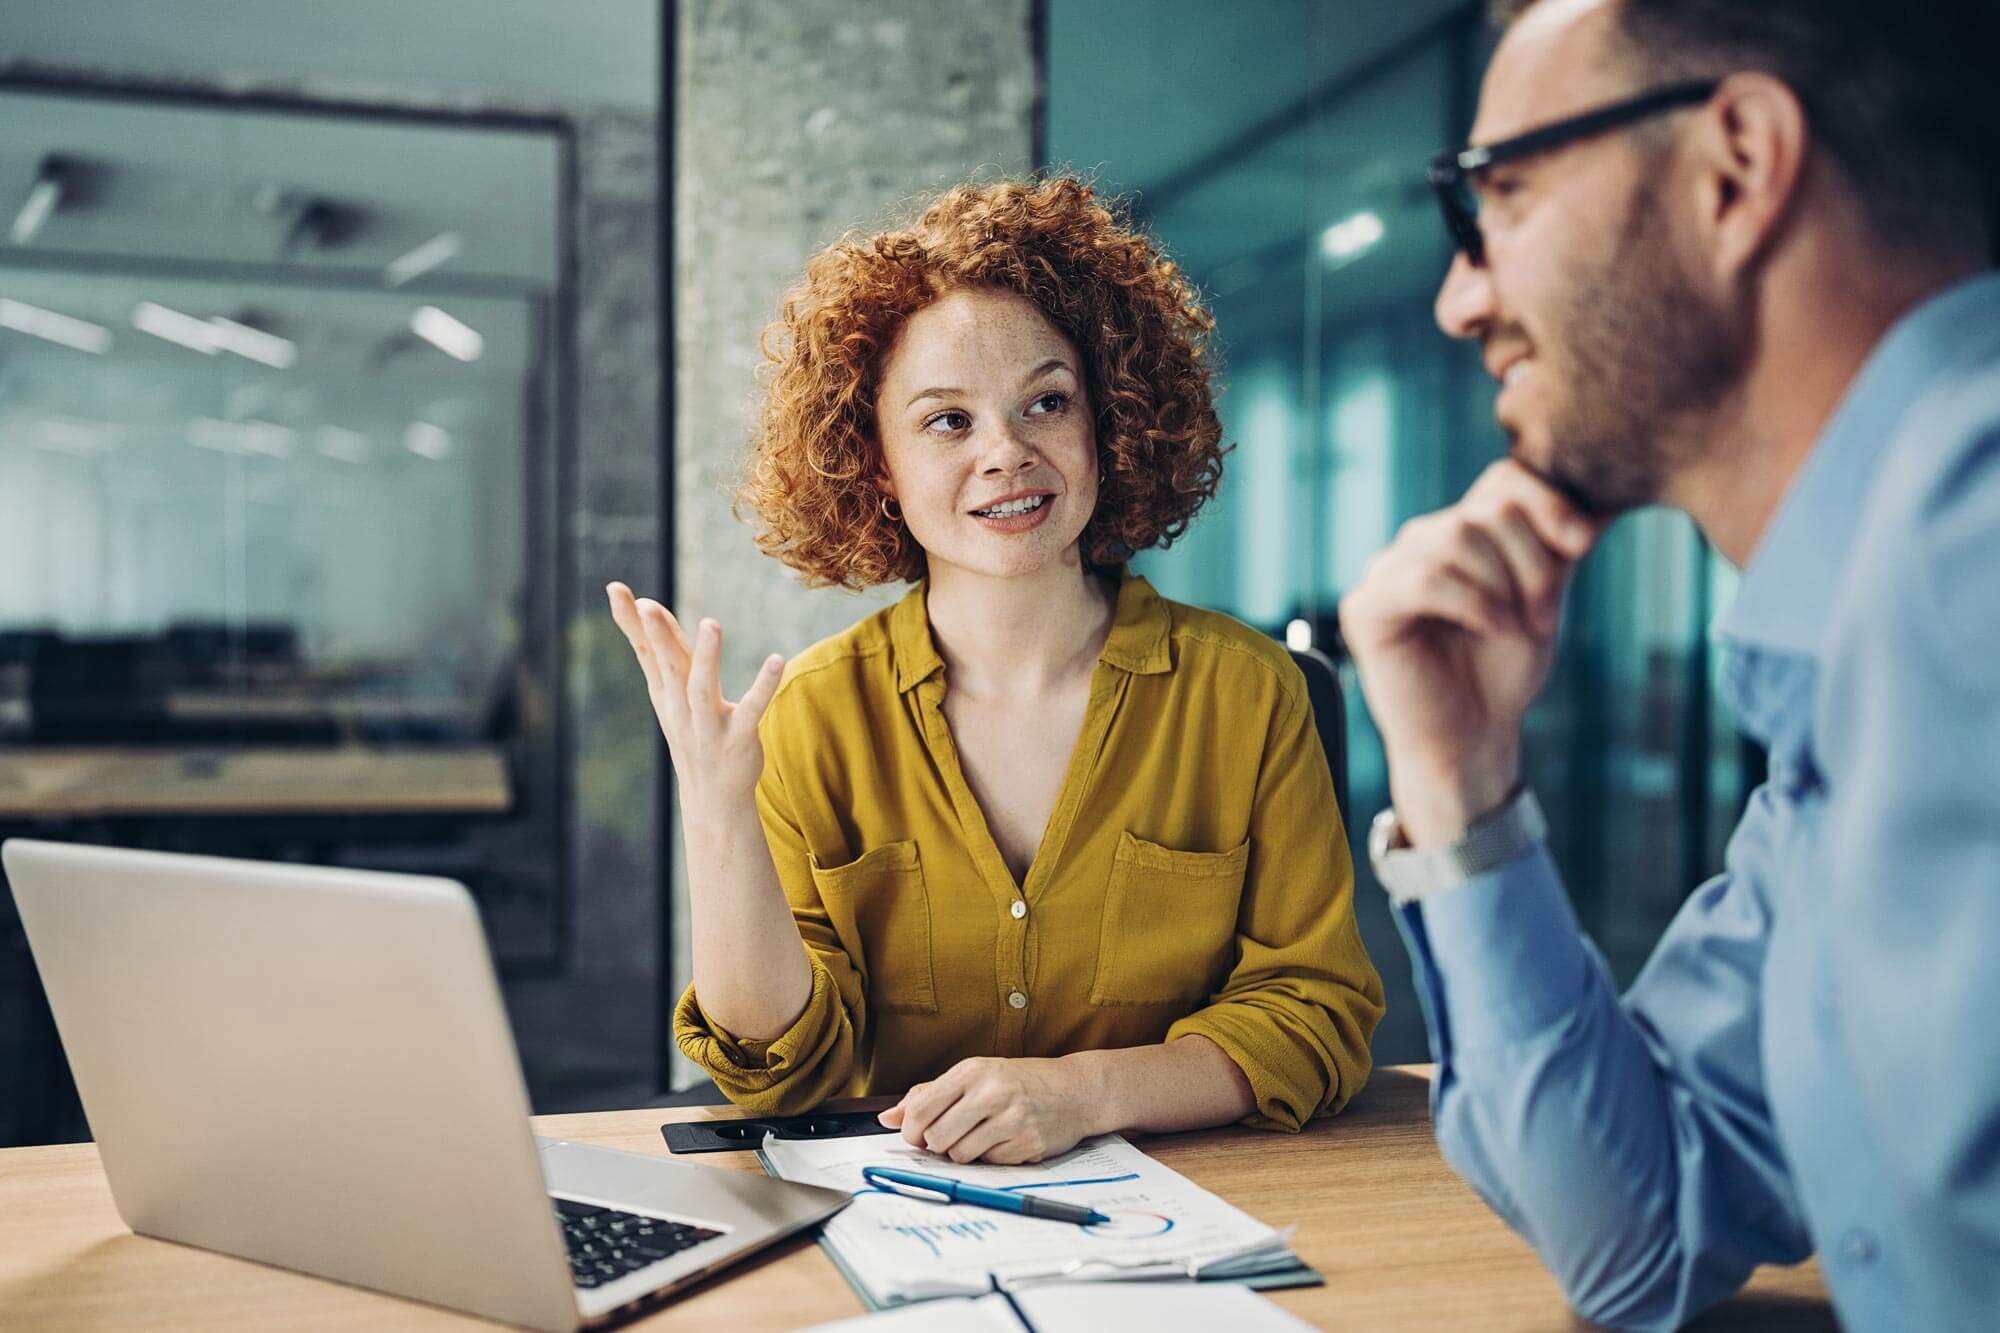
48, 325
197, 335
346, 446
67, 436
428, 441
452, 336
44, 197
253, 343
439, 249
242, 437
1350, 238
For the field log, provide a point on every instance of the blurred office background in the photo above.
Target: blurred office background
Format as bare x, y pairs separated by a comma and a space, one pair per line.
346, 352
1280, 157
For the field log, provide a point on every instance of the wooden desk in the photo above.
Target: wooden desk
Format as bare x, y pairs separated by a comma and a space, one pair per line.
1403, 1244
112, 781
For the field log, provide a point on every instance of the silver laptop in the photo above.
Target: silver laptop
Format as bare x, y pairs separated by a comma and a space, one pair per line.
312, 1068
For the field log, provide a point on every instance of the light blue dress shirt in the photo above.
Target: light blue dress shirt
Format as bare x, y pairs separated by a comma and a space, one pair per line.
1810, 1061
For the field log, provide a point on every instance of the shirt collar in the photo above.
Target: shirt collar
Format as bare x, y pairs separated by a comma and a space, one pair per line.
1138, 641
1786, 599
917, 657
1139, 630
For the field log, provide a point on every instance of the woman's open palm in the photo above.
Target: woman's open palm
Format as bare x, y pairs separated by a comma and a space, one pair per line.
716, 753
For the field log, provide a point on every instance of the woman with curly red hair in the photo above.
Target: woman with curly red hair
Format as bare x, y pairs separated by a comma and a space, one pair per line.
1035, 848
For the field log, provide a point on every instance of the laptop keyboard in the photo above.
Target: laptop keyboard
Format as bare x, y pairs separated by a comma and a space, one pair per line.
605, 1244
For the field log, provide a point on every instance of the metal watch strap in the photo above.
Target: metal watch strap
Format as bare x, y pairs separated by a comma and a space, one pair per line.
1494, 839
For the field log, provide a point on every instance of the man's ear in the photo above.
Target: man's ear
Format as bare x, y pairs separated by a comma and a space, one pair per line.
1749, 154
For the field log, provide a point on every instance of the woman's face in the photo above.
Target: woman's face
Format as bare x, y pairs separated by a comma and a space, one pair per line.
986, 434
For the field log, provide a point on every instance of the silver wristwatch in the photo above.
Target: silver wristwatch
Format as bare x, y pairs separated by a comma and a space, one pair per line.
1494, 839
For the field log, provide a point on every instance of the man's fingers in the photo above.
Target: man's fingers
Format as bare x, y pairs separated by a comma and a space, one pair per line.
1450, 594
1555, 520
1449, 568
1459, 542
1537, 569
1480, 564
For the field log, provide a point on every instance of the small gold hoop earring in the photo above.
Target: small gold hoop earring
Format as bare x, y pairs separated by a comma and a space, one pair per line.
890, 509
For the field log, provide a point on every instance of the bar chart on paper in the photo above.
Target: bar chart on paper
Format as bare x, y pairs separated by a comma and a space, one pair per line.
935, 1237
898, 1248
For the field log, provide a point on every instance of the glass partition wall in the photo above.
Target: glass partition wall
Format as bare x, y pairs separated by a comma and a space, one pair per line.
334, 546
279, 429
1276, 149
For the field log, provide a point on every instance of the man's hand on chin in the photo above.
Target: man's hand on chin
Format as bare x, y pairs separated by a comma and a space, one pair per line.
1453, 630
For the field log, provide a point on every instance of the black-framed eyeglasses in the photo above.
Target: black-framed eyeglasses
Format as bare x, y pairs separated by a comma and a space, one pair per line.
1453, 172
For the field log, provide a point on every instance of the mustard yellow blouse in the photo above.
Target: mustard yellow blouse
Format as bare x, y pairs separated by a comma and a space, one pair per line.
1194, 877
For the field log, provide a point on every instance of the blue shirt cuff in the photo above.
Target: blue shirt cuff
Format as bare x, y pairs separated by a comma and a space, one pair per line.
1503, 952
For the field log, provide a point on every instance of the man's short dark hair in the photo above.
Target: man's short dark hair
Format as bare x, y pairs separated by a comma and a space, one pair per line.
1899, 94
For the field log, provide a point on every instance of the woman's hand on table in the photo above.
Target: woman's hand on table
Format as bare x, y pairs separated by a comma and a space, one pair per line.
717, 756
1000, 1110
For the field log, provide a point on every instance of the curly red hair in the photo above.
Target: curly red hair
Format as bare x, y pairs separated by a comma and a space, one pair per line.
1130, 313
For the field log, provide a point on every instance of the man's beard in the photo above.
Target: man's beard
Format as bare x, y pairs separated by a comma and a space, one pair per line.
1646, 365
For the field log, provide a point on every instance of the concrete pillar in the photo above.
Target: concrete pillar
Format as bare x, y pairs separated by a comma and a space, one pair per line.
795, 120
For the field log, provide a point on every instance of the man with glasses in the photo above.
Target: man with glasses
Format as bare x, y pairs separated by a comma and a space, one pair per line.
1732, 257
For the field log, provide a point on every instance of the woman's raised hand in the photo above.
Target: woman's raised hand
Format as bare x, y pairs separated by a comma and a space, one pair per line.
749, 962
716, 753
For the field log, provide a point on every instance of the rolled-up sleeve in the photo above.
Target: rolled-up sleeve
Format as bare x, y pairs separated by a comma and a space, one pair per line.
814, 1058
1298, 1007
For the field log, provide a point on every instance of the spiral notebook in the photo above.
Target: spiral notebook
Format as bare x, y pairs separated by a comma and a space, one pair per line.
895, 1249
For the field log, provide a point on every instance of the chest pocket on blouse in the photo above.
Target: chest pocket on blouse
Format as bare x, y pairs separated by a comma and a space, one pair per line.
1169, 927
880, 909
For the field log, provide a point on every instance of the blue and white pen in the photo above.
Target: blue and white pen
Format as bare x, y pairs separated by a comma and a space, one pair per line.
1007, 1201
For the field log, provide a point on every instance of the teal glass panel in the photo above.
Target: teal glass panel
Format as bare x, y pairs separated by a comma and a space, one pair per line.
1294, 197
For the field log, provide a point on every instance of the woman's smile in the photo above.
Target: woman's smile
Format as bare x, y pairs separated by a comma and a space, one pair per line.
1020, 514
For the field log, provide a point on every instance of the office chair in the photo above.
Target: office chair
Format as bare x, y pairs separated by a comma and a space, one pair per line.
1329, 716
96, 691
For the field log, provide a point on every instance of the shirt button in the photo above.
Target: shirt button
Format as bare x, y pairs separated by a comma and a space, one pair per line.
1017, 1000
1857, 1247
1019, 909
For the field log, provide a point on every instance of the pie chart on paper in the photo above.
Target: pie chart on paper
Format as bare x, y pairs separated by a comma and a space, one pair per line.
1126, 1224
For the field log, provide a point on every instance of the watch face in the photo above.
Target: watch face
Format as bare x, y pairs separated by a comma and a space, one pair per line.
1381, 837
1409, 873
1384, 835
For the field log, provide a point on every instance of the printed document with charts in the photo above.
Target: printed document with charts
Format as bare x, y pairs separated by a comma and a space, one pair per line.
895, 1248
